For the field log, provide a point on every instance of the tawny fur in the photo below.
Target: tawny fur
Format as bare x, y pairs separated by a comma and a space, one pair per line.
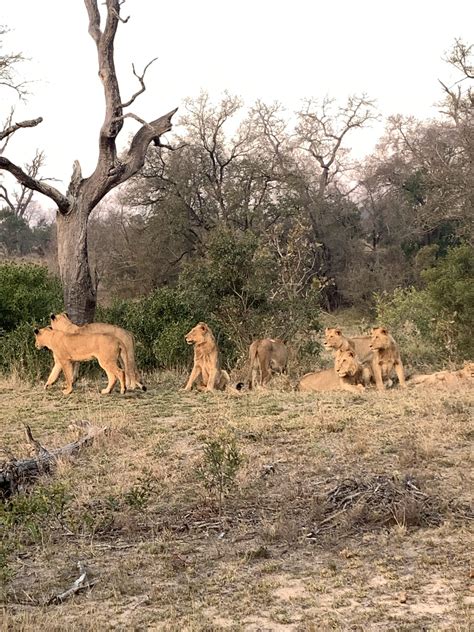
206, 367
61, 322
266, 355
69, 348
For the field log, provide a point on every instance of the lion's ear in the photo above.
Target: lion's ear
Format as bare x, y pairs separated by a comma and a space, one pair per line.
67, 315
36, 331
53, 316
383, 330
351, 353
338, 332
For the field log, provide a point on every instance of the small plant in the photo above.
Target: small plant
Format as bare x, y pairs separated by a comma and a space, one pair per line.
219, 467
140, 494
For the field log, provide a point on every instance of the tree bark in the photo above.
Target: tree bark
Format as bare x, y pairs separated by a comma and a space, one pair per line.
79, 290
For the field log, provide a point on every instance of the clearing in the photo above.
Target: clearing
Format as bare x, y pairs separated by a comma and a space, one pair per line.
348, 512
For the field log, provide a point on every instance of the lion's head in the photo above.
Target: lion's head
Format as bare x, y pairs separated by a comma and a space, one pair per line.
346, 364
60, 322
468, 370
380, 338
42, 337
198, 334
332, 338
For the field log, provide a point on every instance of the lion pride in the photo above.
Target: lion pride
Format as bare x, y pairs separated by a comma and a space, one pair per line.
62, 322
266, 355
206, 365
69, 348
347, 375
386, 357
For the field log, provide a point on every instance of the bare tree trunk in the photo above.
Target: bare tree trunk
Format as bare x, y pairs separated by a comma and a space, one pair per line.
83, 194
78, 287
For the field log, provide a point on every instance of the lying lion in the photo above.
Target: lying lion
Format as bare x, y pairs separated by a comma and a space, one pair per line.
206, 360
266, 355
445, 378
386, 358
69, 348
61, 322
347, 375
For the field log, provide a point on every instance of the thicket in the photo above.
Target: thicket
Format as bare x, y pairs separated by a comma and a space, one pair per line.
434, 323
238, 288
28, 295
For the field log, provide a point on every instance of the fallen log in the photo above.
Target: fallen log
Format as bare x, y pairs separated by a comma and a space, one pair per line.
16, 473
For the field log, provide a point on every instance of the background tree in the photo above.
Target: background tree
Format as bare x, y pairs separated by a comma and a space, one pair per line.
83, 194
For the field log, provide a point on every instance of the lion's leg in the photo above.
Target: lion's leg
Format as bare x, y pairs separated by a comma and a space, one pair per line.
352, 388
195, 373
53, 376
75, 371
111, 377
68, 370
400, 374
211, 382
265, 373
377, 370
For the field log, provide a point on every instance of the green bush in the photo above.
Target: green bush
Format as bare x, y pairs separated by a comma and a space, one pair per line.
159, 323
28, 295
434, 323
238, 284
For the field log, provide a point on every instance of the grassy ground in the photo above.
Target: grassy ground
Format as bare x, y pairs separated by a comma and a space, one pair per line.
348, 512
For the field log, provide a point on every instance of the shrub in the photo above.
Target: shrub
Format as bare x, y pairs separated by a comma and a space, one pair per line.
159, 323
219, 466
238, 284
28, 294
437, 321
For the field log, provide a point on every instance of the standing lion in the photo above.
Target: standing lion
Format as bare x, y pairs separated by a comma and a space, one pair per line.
266, 356
62, 322
206, 367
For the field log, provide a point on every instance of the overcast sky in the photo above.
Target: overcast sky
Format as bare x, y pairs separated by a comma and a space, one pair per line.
257, 49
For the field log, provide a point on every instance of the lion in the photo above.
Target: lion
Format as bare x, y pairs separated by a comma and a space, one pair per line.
69, 348
266, 355
62, 322
445, 378
336, 341
386, 358
346, 375
206, 360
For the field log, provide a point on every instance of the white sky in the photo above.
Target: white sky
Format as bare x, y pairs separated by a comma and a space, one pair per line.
257, 49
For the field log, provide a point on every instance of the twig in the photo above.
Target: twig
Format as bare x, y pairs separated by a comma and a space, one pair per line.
81, 583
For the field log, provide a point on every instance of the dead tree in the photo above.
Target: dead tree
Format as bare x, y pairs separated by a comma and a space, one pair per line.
83, 194
16, 473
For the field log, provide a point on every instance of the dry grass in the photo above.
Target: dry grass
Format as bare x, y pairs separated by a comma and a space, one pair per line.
278, 556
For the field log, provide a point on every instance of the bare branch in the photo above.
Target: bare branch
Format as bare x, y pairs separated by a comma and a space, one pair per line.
8, 131
141, 79
37, 185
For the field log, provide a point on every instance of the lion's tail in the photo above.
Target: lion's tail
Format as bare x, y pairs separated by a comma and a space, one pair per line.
131, 369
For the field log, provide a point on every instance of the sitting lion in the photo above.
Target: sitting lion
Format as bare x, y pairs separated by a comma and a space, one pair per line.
335, 340
347, 375
266, 355
206, 360
386, 358
446, 378
61, 322
69, 348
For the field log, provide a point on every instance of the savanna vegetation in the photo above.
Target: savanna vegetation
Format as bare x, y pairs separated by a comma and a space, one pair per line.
270, 510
